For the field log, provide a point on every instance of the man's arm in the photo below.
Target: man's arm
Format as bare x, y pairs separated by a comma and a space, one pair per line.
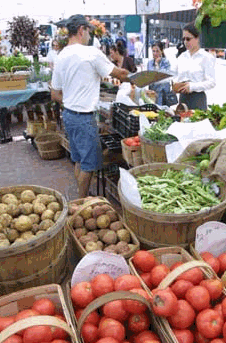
121, 74
56, 95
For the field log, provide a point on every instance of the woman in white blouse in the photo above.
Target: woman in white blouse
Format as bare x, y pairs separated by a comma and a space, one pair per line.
195, 72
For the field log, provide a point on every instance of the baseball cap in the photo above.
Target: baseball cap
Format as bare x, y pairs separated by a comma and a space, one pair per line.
74, 21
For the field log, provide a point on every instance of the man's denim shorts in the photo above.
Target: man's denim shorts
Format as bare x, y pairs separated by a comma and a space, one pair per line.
84, 139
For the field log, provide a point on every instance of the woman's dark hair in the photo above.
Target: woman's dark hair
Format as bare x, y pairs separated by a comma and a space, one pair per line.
160, 46
191, 29
119, 47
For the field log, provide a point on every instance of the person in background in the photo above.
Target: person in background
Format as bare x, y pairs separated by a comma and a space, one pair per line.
106, 43
131, 48
76, 83
195, 71
122, 39
180, 48
138, 55
159, 63
119, 58
6, 46
53, 53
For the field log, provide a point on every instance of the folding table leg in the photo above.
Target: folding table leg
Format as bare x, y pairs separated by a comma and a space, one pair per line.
98, 182
103, 182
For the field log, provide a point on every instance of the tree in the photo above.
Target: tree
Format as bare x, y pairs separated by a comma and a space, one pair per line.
24, 34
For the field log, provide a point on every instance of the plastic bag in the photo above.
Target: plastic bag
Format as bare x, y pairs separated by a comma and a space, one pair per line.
129, 187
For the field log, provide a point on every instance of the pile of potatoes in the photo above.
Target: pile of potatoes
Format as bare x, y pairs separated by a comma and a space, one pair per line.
26, 216
98, 227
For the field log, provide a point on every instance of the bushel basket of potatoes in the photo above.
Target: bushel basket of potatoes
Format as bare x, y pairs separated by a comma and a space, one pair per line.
95, 225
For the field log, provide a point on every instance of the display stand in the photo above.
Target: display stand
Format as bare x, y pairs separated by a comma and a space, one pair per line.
5, 135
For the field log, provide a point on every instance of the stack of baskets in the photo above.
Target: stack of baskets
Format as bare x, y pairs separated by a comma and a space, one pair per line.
49, 146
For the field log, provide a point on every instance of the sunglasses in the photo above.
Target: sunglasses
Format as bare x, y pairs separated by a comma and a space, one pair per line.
187, 39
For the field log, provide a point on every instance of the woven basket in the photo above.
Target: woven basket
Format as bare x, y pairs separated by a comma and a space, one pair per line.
15, 302
41, 260
49, 147
35, 128
166, 229
104, 299
50, 125
131, 154
64, 142
97, 201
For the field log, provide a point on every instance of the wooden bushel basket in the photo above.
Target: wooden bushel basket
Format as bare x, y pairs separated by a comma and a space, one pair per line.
166, 228
79, 247
11, 304
49, 146
131, 154
40, 260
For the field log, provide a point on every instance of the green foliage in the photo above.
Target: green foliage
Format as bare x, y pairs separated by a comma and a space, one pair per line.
11, 61
213, 9
215, 113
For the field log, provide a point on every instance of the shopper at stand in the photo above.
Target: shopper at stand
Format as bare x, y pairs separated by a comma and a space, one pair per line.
118, 56
52, 54
138, 54
122, 39
76, 83
195, 69
159, 63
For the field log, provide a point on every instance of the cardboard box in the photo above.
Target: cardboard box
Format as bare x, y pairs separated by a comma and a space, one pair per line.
13, 85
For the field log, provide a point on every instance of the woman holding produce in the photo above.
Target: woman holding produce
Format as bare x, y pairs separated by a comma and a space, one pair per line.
195, 71
159, 63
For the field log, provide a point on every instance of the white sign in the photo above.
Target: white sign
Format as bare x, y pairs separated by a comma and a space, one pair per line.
147, 6
175, 5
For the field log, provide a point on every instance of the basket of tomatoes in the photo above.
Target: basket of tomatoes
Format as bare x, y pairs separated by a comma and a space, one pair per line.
36, 315
131, 151
187, 299
108, 310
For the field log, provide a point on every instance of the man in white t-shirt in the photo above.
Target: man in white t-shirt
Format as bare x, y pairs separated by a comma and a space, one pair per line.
76, 83
52, 54
138, 55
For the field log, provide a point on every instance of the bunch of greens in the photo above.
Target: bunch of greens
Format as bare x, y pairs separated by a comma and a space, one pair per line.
12, 61
157, 132
177, 192
215, 10
215, 113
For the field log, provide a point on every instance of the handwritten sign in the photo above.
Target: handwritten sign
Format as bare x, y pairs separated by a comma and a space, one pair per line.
99, 262
211, 237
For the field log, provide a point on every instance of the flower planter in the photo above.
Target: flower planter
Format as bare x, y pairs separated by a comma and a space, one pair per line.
213, 37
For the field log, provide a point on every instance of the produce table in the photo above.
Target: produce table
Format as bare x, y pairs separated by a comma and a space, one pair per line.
13, 98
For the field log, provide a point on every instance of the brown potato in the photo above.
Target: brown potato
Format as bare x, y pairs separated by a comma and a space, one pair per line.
111, 248
110, 237
80, 232
123, 235
97, 211
122, 247
113, 215
91, 224
103, 221
93, 235
116, 226
78, 221
85, 239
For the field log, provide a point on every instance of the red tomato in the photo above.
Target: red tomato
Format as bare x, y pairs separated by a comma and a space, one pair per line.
57, 332
138, 322
217, 340
102, 284
59, 341
223, 307
138, 144
38, 334
93, 317
146, 277
89, 333
137, 139
200, 338
194, 275
44, 306
111, 328
211, 260
158, 273
184, 317
164, 303
129, 141
180, 287
127, 282
145, 336
108, 340
135, 306
25, 314
144, 260
184, 336
14, 339
222, 259
82, 294
134, 143
6, 321
218, 308
209, 323
198, 297
175, 265
115, 310
214, 287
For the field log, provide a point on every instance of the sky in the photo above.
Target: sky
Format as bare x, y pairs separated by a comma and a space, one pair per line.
46, 10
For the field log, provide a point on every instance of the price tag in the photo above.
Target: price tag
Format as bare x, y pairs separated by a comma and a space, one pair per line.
211, 237
99, 262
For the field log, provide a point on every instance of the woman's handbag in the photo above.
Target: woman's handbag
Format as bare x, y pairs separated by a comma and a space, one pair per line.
169, 98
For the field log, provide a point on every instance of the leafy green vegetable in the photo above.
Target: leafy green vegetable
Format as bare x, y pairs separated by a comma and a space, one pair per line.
176, 192
215, 113
11, 61
157, 132
213, 9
